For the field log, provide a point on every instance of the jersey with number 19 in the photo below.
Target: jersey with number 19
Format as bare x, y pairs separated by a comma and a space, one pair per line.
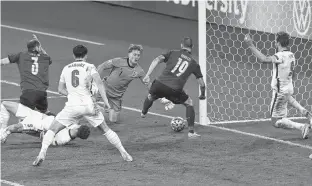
179, 66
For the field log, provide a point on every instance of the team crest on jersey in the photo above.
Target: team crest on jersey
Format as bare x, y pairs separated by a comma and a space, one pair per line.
134, 74
302, 16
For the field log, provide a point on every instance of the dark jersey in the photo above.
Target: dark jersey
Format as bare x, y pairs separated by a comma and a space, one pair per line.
34, 70
179, 66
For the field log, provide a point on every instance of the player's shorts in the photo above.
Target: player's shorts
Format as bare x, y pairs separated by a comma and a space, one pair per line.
114, 97
160, 90
35, 99
33, 120
71, 115
279, 104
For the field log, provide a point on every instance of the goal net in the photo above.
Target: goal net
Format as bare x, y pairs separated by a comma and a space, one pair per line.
238, 85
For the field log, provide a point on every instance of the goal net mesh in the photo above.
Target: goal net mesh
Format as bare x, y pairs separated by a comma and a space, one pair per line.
238, 84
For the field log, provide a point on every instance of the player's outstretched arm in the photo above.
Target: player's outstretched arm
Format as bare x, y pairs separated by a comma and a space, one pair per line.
62, 88
153, 65
202, 88
5, 61
97, 79
258, 54
40, 47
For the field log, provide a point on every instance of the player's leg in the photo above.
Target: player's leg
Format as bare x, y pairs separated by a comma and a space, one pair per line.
17, 109
114, 113
4, 115
65, 118
279, 115
98, 121
303, 111
155, 92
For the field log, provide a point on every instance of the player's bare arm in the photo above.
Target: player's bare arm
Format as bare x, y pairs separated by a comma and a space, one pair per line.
40, 46
202, 88
62, 88
153, 65
5, 61
258, 54
97, 79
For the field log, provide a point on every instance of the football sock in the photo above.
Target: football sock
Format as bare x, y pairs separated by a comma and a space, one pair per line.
147, 105
113, 138
47, 140
4, 116
287, 123
190, 117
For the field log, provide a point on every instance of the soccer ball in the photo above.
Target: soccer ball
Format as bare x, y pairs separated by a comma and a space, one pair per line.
177, 124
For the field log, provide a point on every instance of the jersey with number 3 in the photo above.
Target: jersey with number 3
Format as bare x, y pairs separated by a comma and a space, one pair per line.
78, 79
283, 71
179, 66
34, 70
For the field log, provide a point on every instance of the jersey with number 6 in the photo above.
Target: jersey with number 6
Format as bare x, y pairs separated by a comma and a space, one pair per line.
78, 79
179, 66
34, 70
283, 71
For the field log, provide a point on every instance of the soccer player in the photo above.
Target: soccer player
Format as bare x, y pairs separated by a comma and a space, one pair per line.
123, 71
33, 66
75, 83
35, 123
284, 63
179, 66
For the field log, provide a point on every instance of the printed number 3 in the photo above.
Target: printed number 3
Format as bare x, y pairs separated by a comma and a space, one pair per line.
181, 66
34, 66
75, 78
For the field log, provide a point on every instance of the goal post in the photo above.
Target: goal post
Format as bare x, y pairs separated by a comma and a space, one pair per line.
238, 85
203, 119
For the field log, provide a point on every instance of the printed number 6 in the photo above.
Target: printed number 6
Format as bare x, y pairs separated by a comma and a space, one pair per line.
75, 78
34, 66
181, 66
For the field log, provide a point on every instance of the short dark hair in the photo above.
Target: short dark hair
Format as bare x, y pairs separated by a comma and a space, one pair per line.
83, 132
32, 44
135, 47
80, 51
283, 38
187, 42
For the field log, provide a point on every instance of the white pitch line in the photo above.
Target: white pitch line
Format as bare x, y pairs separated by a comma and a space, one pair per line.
10, 183
211, 125
52, 35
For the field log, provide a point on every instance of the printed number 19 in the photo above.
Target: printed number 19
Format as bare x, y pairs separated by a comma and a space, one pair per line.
34, 66
75, 78
181, 66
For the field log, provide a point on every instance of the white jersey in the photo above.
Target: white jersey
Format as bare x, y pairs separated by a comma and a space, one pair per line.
78, 79
283, 71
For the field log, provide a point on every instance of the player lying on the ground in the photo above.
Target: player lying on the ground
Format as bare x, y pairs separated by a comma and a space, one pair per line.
123, 71
33, 66
284, 63
75, 83
179, 66
35, 123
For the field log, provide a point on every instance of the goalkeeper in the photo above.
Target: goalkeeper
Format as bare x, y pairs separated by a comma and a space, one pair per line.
123, 71
35, 123
284, 63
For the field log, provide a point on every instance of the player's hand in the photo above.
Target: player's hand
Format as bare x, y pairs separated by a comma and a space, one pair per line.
248, 40
202, 97
146, 80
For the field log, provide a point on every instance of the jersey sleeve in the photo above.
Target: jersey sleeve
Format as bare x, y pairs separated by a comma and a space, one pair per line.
14, 58
92, 70
167, 55
277, 58
62, 137
197, 72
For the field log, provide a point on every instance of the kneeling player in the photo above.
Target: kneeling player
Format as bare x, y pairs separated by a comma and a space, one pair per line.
34, 123
284, 63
